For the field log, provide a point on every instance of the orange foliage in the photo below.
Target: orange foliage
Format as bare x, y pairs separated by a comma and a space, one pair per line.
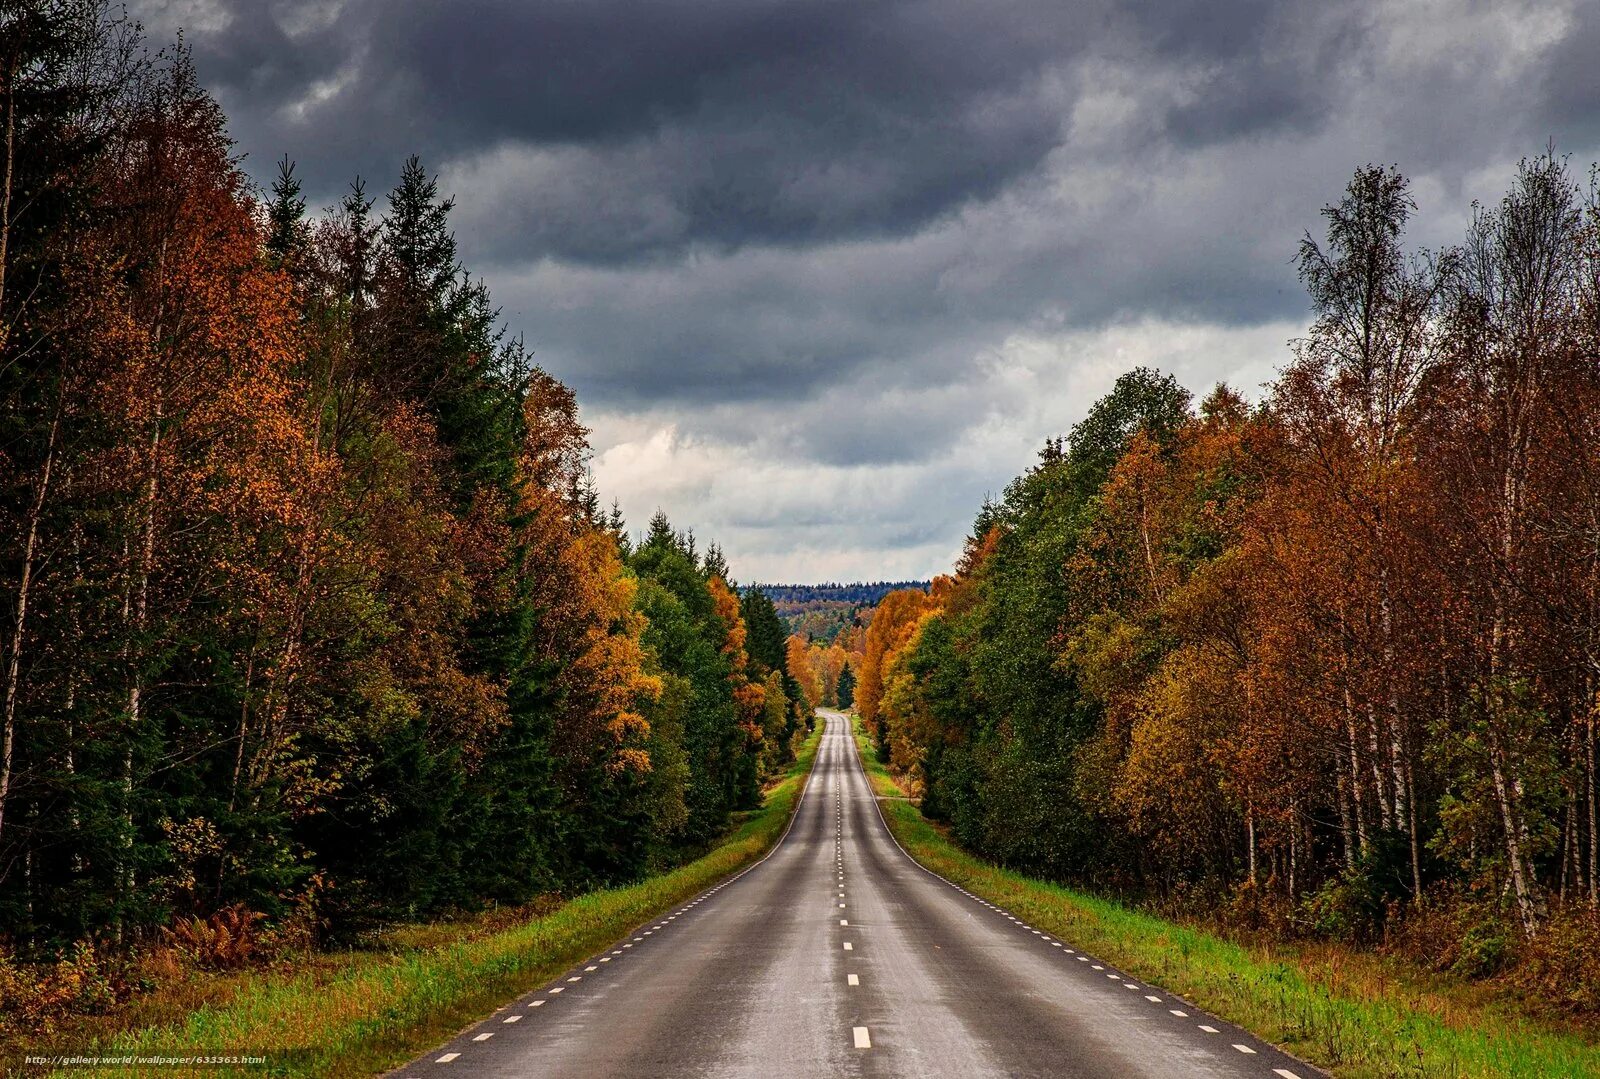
892, 625
797, 657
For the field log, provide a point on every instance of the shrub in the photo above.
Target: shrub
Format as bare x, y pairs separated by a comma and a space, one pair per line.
35, 996
226, 940
1562, 963
1357, 905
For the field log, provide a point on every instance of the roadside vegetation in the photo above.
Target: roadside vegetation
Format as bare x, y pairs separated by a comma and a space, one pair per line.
1354, 1014
362, 1011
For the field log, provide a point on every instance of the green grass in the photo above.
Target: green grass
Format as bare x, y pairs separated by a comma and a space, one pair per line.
1347, 1014
377, 1011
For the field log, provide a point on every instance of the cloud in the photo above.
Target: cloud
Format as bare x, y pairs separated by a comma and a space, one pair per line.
793, 512
824, 272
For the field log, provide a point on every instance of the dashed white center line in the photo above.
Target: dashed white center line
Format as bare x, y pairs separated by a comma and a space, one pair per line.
606, 958
844, 921
556, 990
512, 1019
852, 979
1285, 1072
485, 1036
1097, 966
1151, 999
1179, 1013
863, 1040
576, 978
447, 1058
849, 947
1209, 1030
1244, 1049
535, 1003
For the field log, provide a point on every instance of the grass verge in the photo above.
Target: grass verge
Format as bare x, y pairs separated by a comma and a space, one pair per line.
1340, 1011
372, 1012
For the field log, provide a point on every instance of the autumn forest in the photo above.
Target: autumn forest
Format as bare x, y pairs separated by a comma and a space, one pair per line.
1326, 666
313, 619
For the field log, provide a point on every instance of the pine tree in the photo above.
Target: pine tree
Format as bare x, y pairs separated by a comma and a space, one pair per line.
286, 226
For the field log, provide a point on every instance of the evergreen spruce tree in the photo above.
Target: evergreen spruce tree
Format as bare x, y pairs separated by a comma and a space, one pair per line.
287, 231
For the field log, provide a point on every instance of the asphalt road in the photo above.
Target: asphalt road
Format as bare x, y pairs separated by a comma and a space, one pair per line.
839, 955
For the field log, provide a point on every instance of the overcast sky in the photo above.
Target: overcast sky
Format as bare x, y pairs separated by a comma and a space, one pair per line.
825, 272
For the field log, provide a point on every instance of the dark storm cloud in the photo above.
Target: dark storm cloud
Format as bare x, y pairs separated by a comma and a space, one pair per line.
753, 120
1571, 85
763, 121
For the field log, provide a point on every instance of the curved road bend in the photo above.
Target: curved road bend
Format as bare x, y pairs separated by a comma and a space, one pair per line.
839, 955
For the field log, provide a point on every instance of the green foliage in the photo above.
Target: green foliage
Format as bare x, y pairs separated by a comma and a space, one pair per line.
766, 631
1009, 713
686, 636
1504, 722
1355, 905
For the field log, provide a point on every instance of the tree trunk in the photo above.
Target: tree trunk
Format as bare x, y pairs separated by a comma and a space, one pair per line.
1357, 802
244, 728
138, 620
1521, 886
1594, 817
1294, 846
19, 621
1416, 850
5, 193
1346, 821
1250, 838
1379, 787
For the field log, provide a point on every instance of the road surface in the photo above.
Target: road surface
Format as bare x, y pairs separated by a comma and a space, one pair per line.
839, 955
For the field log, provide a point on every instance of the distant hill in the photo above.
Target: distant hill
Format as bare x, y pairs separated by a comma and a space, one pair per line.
820, 612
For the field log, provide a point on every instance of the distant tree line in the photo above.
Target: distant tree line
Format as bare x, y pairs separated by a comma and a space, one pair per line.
861, 593
1331, 663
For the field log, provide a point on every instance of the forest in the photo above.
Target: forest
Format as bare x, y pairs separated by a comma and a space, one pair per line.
866, 594
312, 618
1323, 666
